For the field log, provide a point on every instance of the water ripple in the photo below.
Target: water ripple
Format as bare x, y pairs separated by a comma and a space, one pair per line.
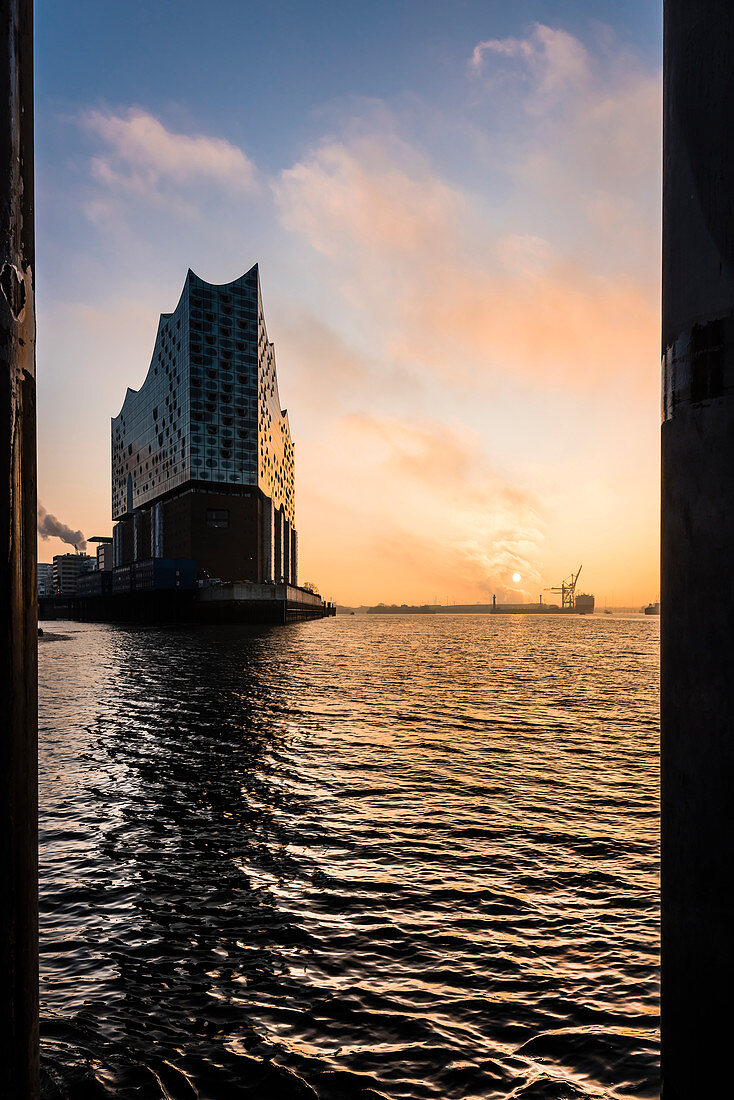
392, 857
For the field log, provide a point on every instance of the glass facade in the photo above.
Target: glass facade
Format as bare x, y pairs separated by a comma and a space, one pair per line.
208, 410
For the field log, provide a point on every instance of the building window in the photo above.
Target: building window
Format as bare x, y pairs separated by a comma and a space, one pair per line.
217, 517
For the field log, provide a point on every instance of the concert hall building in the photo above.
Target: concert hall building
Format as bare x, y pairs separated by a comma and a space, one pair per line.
202, 456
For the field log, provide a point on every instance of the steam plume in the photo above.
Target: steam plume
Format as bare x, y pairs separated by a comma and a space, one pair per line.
51, 527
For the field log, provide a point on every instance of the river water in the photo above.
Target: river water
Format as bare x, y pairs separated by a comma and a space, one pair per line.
365, 857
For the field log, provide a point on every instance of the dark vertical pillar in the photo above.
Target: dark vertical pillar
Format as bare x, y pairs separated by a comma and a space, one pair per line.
278, 544
286, 540
268, 539
18, 617
697, 585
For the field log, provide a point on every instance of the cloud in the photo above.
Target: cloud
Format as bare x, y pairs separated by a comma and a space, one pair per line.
425, 513
145, 158
561, 327
554, 61
410, 251
595, 119
375, 191
507, 47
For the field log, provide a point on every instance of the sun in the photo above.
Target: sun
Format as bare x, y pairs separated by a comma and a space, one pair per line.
516, 578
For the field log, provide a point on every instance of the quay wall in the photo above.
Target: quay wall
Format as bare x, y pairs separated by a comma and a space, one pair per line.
233, 603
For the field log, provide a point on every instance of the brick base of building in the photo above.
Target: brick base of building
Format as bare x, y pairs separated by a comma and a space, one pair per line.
229, 535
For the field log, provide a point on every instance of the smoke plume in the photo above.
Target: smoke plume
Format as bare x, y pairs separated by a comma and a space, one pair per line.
51, 527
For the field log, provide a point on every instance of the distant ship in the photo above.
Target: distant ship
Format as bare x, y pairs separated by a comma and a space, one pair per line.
652, 609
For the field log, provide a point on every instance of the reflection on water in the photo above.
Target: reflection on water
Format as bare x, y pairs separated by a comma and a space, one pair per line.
385, 857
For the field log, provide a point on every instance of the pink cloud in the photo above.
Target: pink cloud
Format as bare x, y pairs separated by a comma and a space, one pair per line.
375, 191
561, 326
406, 248
143, 156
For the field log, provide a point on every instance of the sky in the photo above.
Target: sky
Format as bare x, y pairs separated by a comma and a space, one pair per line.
455, 207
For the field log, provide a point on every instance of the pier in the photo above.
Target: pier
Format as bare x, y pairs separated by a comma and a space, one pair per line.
218, 603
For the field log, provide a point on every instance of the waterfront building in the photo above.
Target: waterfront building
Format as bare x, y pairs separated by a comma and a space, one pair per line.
202, 456
67, 568
45, 575
105, 560
104, 556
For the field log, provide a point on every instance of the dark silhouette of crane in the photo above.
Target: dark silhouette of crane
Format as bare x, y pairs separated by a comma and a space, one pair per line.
567, 589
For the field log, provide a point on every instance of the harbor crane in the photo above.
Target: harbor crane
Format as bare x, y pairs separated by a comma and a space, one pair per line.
568, 590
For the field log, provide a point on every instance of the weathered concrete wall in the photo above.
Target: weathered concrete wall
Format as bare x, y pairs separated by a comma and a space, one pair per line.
18, 629
697, 593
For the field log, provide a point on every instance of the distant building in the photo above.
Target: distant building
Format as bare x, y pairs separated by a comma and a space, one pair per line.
45, 577
105, 552
202, 456
105, 556
66, 570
